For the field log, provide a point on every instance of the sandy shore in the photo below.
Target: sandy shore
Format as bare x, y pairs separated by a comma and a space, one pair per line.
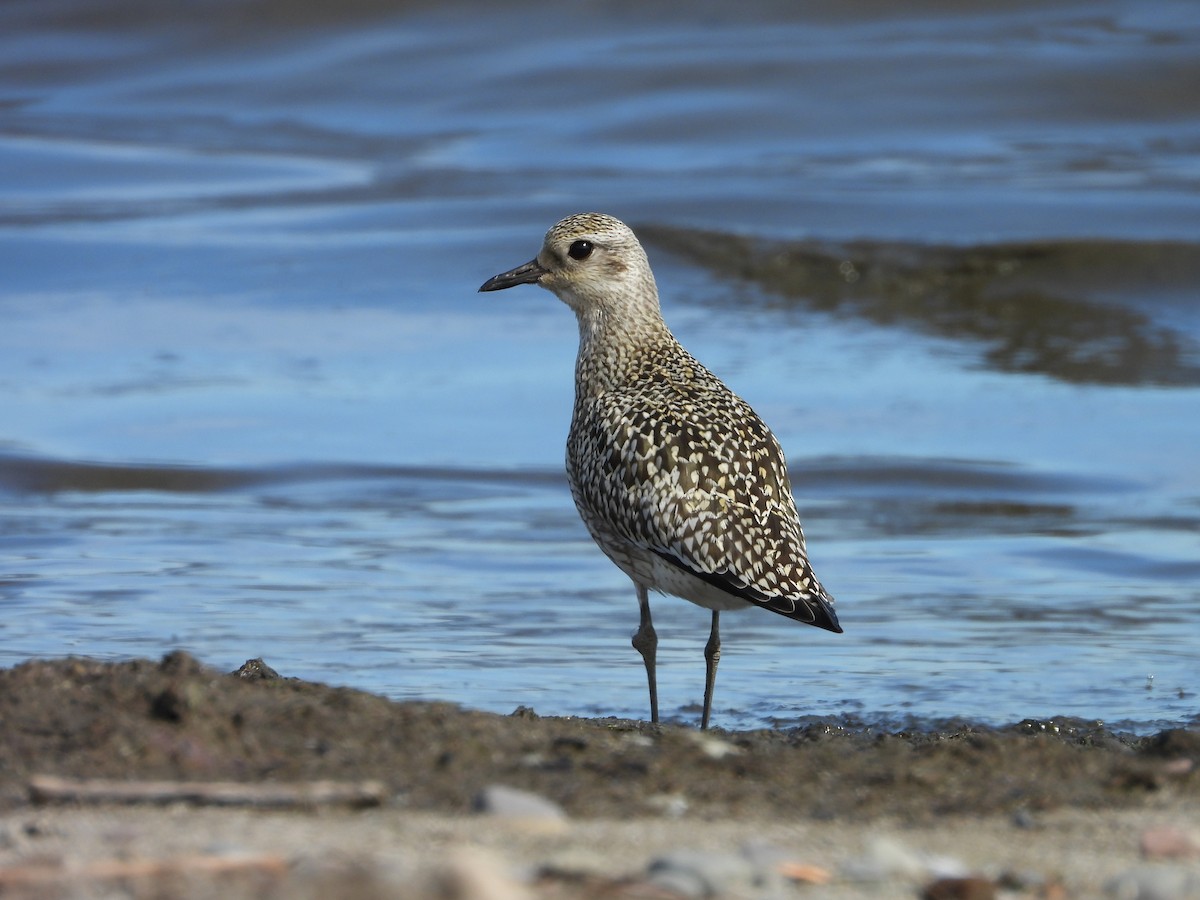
1045, 809
398, 852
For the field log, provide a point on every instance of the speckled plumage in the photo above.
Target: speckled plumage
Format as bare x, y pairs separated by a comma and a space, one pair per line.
677, 479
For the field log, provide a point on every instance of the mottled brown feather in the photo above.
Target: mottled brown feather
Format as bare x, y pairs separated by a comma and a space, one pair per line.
678, 480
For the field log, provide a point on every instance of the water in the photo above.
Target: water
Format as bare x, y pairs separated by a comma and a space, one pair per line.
252, 404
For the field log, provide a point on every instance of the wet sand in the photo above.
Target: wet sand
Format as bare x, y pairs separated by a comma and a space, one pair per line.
1050, 808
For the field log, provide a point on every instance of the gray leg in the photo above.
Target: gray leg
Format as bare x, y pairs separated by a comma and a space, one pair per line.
712, 656
645, 641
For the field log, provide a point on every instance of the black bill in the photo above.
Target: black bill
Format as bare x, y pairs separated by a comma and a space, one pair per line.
526, 274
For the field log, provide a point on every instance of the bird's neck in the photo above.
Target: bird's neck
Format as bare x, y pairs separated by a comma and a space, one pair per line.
618, 346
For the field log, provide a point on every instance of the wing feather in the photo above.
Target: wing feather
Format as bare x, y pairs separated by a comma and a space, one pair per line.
701, 484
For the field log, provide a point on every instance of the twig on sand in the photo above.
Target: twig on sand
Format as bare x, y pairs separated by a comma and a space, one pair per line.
53, 789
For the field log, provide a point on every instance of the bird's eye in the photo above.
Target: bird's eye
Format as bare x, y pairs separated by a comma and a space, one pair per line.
581, 250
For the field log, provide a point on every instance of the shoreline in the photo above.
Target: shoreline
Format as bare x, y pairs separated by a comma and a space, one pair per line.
601, 805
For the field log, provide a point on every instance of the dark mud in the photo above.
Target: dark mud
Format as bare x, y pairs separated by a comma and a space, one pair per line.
176, 719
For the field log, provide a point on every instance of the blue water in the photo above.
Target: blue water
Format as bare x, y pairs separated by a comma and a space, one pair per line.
251, 404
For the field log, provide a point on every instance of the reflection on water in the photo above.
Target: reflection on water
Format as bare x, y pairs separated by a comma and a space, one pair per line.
1028, 304
39, 476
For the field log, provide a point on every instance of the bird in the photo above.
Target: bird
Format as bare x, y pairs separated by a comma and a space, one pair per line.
675, 476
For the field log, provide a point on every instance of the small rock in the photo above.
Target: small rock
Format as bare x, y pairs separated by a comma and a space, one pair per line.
887, 858
1169, 842
256, 670
519, 806
1160, 882
475, 874
782, 862
960, 889
1178, 767
672, 806
805, 873
710, 746
695, 873
1023, 818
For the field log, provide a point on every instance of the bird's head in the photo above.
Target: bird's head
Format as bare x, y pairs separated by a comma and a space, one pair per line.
594, 264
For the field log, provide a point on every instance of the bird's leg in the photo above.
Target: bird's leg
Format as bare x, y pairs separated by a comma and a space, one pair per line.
645, 641
712, 656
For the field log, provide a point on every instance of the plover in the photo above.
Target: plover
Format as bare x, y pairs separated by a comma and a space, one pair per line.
676, 478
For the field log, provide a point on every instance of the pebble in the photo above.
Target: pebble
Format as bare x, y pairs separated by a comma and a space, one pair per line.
1023, 818
1178, 767
256, 670
782, 863
710, 746
1169, 842
639, 741
698, 873
522, 807
1155, 882
671, 806
886, 858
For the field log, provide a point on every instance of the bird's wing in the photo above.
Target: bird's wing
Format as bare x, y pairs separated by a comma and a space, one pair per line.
705, 487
